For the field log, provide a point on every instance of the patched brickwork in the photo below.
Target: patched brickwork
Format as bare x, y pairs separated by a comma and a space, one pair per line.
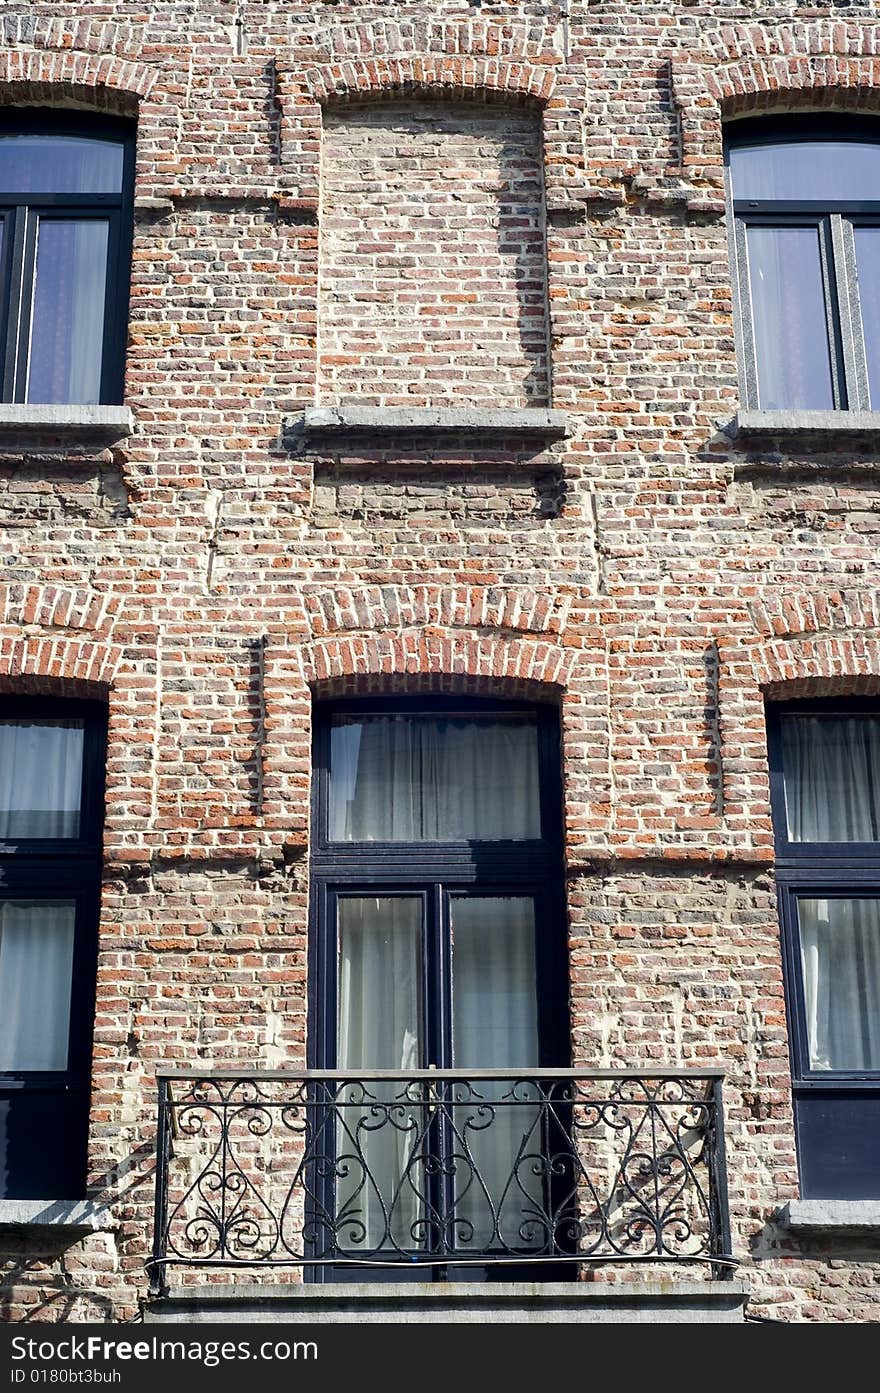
502, 205
433, 265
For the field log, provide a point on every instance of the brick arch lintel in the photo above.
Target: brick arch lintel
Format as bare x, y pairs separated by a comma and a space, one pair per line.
383, 75
100, 79
428, 652
387, 608
751, 68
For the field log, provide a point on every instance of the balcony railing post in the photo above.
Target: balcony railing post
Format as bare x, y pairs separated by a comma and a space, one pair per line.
723, 1242
163, 1155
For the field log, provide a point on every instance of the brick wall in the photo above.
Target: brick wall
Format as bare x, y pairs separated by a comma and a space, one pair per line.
217, 571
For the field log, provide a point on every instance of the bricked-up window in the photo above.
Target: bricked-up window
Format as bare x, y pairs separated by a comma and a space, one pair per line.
65, 237
51, 782
825, 776
806, 201
439, 929
433, 287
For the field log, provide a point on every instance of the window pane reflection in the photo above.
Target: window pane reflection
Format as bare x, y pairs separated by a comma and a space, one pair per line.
68, 312
830, 170
59, 164
788, 317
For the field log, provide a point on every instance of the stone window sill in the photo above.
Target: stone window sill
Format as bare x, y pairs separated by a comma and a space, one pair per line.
65, 425
418, 420
831, 1216
55, 1214
826, 426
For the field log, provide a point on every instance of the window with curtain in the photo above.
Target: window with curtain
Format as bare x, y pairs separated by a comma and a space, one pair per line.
825, 784
66, 191
806, 204
51, 761
439, 945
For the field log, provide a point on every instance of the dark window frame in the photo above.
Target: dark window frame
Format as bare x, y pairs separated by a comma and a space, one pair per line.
850, 1098
20, 214
835, 222
436, 872
65, 868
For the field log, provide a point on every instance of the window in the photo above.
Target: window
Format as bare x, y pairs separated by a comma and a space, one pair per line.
806, 202
65, 235
439, 934
825, 782
51, 761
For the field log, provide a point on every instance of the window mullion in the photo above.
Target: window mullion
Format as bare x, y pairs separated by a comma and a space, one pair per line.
743, 301
844, 292
839, 345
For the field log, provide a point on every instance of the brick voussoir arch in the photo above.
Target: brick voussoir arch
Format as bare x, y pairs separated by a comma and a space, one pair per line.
37, 74
752, 68
361, 77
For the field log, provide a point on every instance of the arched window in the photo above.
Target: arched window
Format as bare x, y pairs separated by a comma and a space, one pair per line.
806, 203
66, 182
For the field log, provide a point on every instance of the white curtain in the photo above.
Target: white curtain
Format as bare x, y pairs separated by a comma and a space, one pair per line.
495, 1026
36, 962
840, 947
40, 778
831, 768
380, 954
402, 778
832, 778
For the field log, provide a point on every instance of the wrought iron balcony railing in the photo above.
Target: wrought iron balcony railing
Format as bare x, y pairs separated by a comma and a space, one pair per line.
440, 1170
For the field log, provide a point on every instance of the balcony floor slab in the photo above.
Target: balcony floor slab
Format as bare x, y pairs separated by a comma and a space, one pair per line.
631, 1302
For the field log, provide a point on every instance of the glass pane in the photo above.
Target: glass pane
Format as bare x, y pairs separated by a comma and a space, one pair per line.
378, 1136
494, 992
499, 1162
40, 778
59, 164
831, 775
433, 778
788, 317
67, 330
36, 964
868, 274
817, 170
840, 954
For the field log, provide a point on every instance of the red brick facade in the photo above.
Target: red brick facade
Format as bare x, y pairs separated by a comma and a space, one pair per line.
217, 572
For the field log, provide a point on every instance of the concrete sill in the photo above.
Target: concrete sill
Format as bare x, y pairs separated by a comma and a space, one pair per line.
798, 425
55, 1214
65, 425
474, 1303
831, 1217
430, 420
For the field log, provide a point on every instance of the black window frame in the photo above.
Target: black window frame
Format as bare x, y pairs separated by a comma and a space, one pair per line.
834, 1108
835, 222
20, 214
59, 869
436, 872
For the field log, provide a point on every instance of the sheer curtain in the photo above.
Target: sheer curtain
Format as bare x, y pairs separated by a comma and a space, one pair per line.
379, 996
36, 962
402, 778
40, 778
831, 768
495, 1026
